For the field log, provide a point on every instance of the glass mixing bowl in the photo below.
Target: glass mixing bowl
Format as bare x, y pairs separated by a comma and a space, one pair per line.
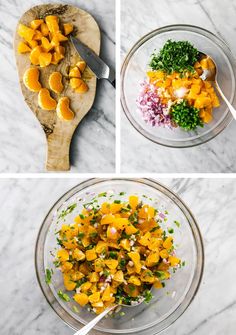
133, 73
168, 303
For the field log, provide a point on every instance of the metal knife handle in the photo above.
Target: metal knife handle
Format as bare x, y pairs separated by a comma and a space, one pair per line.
113, 83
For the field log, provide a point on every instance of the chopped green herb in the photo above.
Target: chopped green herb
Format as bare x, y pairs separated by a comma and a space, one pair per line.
154, 229
186, 116
122, 193
48, 276
160, 274
148, 296
67, 211
113, 254
122, 263
57, 264
177, 223
170, 230
59, 242
104, 194
82, 216
117, 201
63, 296
80, 235
75, 309
106, 273
93, 235
80, 282
175, 56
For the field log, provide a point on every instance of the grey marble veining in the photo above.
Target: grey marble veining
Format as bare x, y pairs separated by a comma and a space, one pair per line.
24, 204
22, 141
138, 154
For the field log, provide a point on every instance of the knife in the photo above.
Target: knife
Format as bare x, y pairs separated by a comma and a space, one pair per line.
94, 62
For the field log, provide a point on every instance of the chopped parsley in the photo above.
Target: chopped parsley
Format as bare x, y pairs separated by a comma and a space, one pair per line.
175, 56
67, 211
93, 235
147, 296
113, 254
63, 296
103, 194
177, 223
186, 116
160, 274
48, 276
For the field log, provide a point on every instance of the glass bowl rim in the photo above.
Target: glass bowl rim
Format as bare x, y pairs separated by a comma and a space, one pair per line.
196, 233
228, 117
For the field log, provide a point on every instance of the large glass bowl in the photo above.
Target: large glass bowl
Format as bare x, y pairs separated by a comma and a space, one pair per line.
168, 303
133, 73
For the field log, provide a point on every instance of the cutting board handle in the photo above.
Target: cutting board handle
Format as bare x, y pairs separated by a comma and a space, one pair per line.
58, 151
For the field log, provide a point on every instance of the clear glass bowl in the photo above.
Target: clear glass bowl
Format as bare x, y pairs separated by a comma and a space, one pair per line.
133, 72
168, 303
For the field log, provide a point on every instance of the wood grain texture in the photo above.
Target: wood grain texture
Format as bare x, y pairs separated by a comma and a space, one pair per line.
59, 133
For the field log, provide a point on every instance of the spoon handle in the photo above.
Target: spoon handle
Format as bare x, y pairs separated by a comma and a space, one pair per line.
91, 324
231, 108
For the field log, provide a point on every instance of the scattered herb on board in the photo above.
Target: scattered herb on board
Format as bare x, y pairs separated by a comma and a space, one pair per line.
186, 116
175, 56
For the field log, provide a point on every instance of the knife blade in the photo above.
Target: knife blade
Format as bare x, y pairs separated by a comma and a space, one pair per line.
94, 62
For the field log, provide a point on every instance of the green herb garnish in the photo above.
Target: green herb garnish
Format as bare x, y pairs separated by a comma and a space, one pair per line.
63, 296
67, 211
104, 194
48, 276
186, 116
170, 230
177, 223
113, 254
93, 235
161, 275
147, 296
175, 56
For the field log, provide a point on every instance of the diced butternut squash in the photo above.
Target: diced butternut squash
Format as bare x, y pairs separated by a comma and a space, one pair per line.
81, 299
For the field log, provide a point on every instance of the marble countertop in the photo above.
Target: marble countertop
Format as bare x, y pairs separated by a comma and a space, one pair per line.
25, 202
23, 144
141, 155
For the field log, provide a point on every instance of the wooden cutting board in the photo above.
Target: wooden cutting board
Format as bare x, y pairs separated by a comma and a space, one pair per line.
58, 132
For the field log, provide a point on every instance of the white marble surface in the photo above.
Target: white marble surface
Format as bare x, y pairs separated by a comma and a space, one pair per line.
25, 202
23, 145
139, 17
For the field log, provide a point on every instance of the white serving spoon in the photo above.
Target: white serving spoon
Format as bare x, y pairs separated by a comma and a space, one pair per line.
211, 75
